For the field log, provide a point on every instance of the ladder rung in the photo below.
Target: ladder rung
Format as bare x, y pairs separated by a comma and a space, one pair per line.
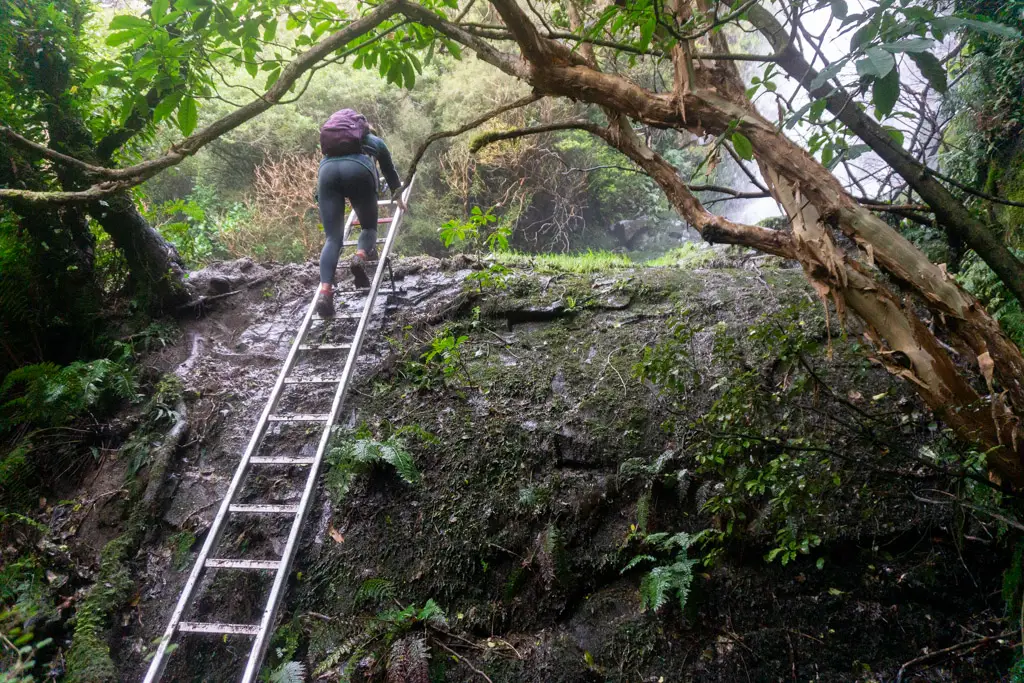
380, 221
352, 243
312, 380
281, 460
222, 563
299, 418
264, 509
229, 629
324, 347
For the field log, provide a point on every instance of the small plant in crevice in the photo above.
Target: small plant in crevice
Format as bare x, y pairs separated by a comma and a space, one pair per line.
281, 666
550, 556
358, 455
394, 642
441, 364
673, 578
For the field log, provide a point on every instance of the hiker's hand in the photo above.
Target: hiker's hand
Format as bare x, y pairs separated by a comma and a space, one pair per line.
401, 203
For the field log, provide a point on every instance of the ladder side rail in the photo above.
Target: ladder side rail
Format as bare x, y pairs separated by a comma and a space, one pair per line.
262, 641
159, 661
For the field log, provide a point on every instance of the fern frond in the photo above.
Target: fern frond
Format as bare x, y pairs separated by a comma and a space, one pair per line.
374, 590
394, 454
398, 662
643, 511
419, 661
637, 560
433, 614
654, 588
289, 672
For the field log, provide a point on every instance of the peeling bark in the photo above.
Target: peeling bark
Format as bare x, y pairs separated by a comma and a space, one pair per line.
708, 98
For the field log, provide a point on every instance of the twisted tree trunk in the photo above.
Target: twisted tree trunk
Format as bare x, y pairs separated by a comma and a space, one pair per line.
709, 98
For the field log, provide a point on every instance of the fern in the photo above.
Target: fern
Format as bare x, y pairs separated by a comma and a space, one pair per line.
374, 590
637, 560
47, 395
408, 661
551, 555
662, 582
289, 672
432, 614
360, 455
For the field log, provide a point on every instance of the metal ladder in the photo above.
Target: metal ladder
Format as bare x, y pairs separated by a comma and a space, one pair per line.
281, 567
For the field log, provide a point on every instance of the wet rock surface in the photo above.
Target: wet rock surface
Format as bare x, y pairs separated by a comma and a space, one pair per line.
519, 528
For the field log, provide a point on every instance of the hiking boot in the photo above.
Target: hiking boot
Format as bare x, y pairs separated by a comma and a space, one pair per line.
359, 261
324, 304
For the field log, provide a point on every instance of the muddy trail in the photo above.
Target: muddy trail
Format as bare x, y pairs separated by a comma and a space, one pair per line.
544, 471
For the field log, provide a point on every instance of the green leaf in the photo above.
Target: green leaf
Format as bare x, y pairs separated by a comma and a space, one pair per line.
865, 34
158, 9
897, 135
839, 8
909, 45
742, 146
188, 115
127, 21
876, 62
97, 78
165, 107
818, 108
885, 92
826, 74
990, 27
120, 37
272, 78
647, 32
270, 31
930, 67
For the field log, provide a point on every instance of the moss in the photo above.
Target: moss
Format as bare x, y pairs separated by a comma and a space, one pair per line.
89, 659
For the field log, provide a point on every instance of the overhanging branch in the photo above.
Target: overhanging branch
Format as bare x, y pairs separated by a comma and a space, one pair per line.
479, 121
133, 175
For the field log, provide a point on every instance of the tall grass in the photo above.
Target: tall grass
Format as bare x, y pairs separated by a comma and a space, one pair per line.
583, 262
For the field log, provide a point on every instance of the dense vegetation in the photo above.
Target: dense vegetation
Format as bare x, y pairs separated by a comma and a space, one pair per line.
141, 144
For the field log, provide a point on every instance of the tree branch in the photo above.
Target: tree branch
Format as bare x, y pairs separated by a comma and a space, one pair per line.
124, 178
480, 120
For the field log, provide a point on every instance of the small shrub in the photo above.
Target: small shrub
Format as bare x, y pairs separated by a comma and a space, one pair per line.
360, 455
666, 580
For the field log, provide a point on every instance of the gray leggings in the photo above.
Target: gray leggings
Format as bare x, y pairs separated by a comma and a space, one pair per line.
337, 181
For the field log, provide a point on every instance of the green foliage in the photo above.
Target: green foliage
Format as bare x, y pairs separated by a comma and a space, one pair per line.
391, 642
357, 456
289, 672
470, 231
374, 591
584, 262
441, 364
185, 224
979, 279
18, 648
688, 256
181, 547
763, 452
666, 580
46, 395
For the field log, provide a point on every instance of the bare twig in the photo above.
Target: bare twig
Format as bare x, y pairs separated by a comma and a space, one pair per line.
464, 660
968, 646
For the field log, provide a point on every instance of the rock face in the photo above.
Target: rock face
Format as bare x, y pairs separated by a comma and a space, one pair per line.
544, 463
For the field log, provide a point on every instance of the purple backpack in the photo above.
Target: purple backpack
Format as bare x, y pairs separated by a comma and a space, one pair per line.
343, 133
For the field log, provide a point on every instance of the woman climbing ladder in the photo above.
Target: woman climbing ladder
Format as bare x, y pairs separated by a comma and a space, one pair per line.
348, 171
